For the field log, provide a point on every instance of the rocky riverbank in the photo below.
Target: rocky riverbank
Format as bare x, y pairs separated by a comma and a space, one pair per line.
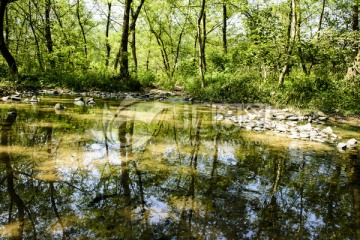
295, 124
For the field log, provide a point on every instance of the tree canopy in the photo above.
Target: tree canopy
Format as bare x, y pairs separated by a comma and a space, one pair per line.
223, 45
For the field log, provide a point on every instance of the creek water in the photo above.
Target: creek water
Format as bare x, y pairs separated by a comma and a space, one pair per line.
128, 169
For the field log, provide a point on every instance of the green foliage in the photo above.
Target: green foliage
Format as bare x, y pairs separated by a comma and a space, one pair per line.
146, 78
259, 44
350, 96
228, 87
301, 89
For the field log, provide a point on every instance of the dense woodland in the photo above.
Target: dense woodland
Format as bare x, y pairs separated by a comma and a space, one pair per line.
290, 52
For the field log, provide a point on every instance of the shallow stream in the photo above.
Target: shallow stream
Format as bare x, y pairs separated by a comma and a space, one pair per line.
167, 170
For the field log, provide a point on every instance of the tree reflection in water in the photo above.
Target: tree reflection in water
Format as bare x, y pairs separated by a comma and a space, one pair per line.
151, 170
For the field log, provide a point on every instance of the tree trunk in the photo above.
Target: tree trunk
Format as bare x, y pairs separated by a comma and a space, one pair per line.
290, 38
354, 69
7, 29
224, 30
48, 37
355, 22
177, 52
163, 51
298, 34
3, 48
108, 47
133, 49
321, 17
38, 53
201, 32
124, 55
134, 16
81, 27
355, 15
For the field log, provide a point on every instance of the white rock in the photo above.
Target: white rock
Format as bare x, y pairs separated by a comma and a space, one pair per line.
306, 127
219, 117
242, 118
248, 128
280, 117
304, 135
281, 127
341, 146
292, 124
333, 136
6, 98
313, 133
253, 116
293, 118
293, 131
328, 130
351, 143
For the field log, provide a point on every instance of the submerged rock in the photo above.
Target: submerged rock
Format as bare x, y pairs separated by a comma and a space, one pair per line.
59, 106
79, 101
6, 98
16, 97
90, 102
34, 99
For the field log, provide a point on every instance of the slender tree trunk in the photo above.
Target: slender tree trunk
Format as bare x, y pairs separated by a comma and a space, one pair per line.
355, 15
201, 30
66, 37
177, 52
108, 47
38, 52
147, 61
124, 55
58, 18
3, 48
7, 29
163, 51
81, 27
48, 37
133, 49
355, 22
354, 69
134, 16
117, 59
224, 30
290, 36
298, 34
321, 17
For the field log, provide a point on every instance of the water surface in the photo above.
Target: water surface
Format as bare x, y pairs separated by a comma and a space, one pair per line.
167, 170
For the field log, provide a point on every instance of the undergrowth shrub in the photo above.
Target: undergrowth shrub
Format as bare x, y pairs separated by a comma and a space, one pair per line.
226, 87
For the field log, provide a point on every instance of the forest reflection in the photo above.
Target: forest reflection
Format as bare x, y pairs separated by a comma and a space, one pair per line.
155, 170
